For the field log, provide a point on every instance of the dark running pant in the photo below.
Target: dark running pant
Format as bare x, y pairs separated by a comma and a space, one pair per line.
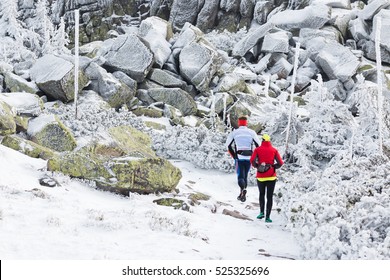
242, 168
268, 186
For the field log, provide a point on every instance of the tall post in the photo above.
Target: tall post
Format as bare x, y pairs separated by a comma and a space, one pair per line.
294, 77
379, 79
76, 58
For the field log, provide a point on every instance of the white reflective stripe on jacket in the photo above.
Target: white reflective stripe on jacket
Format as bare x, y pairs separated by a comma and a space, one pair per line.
243, 138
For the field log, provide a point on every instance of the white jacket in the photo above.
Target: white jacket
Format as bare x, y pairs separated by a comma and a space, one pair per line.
243, 138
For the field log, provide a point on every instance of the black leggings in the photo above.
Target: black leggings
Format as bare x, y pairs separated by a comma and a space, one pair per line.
270, 186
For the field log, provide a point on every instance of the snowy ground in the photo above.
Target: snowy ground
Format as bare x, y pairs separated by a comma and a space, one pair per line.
75, 221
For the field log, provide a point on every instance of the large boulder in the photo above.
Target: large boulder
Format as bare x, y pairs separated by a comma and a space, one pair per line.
199, 61
129, 54
132, 141
276, 41
55, 77
372, 8
114, 91
251, 39
27, 147
166, 79
183, 11
119, 175
207, 16
16, 83
385, 29
313, 16
50, 132
175, 97
337, 62
24, 103
7, 122
157, 32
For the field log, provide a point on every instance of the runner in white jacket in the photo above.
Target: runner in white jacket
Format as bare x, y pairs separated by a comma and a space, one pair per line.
241, 143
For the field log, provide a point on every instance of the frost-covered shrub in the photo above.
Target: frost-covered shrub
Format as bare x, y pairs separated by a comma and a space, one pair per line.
205, 148
225, 40
342, 212
93, 119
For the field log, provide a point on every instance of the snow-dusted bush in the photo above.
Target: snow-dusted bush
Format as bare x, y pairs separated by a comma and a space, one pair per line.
201, 146
343, 212
225, 40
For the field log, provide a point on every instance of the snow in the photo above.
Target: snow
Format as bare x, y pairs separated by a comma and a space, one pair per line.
76, 221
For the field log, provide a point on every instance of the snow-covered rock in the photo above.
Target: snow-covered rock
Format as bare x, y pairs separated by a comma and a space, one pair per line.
175, 97
157, 32
16, 83
48, 131
7, 122
315, 16
344, 4
385, 28
276, 41
198, 63
114, 92
359, 29
183, 11
251, 39
24, 103
166, 79
126, 49
372, 8
337, 62
55, 77
27, 147
208, 15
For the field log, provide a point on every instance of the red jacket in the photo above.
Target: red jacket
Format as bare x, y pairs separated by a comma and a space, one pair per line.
268, 154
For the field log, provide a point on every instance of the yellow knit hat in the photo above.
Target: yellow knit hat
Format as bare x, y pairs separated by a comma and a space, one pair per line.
266, 137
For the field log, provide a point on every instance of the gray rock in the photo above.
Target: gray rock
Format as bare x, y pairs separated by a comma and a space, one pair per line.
48, 131
156, 32
113, 91
198, 64
131, 56
125, 79
187, 35
368, 48
175, 97
55, 77
276, 41
305, 73
343, 4
337, 62
336, 88
15, 83
251, 39
282, 68
7, 122
315, 16
24, 103
385, 29
373, 8
262, 10
359, 29
183, 11
166, 79
208, 15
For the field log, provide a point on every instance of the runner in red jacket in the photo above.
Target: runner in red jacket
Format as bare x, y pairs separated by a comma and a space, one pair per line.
266, 159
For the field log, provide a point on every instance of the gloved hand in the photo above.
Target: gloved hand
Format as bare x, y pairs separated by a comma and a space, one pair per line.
277, 165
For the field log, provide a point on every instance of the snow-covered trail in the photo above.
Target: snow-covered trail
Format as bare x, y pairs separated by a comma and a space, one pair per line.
240, 239
75, 221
